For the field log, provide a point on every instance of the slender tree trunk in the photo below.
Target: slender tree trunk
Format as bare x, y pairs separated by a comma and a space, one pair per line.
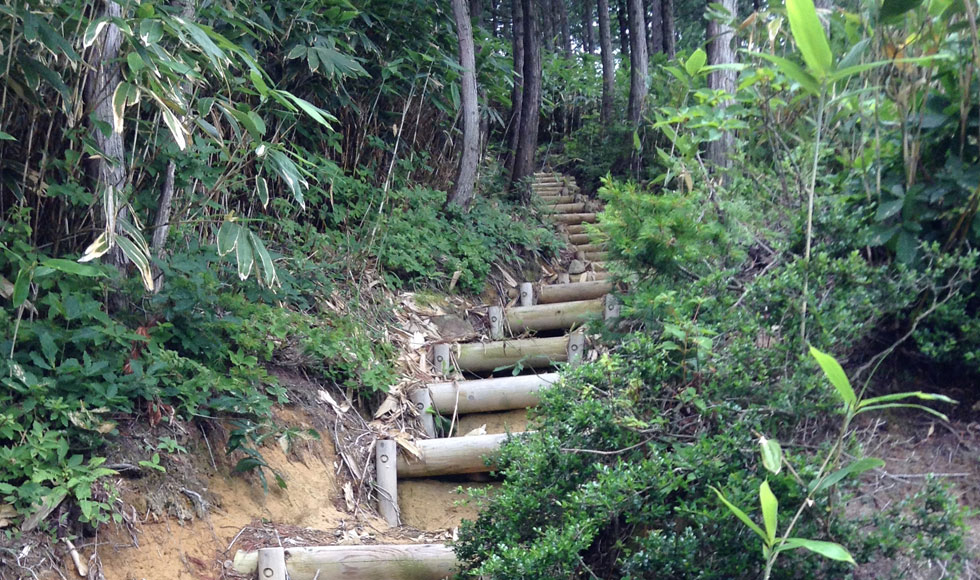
476, 12
566, 34
608, 66
622, 13
517, 92
721, 51
655, 27
588, 38
547, 25
667, 16
531, 103
463, 189
494, 18
110, 168
638, 63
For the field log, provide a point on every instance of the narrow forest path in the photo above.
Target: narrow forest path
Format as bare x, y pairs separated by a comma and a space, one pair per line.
478, 398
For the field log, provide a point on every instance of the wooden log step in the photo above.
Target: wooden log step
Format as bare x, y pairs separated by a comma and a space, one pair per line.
574, 218
452, 456
596, 256
551, 293
590, 248
530, 352
568, 207
600, 266
577, 239
552, 316
487, 395
575, 228
365, 562
556, 199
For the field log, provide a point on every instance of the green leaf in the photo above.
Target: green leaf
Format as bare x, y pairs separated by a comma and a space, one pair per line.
266, 265
741, 515
770, 511
96, 249
906, 247
70, 267
908, 395
695, 62
229, 236
636, 141
288, 171
7, 137
134, 247
244, 258
176, 129
793, 71
92, 32
830, 550
835, 374
892, 9
809, 36
124, 95
772, 455
262, 188
22, 285
904, 406
855, 468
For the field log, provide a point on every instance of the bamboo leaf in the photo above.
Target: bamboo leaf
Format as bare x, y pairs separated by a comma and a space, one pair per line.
71, 267
266, 265
96, 249
892, 9
262, 188
855, 468
904, 406
92, 32
835, 374
22, 286
809, 36
695, 62
830, 550
770, 511
741, 515
772, 454
793, 71
229, 236
140, 259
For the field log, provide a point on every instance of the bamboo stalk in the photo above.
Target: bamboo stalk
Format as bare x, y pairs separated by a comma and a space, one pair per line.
374, 562
552, 316
487, 395
452, 455
529, 352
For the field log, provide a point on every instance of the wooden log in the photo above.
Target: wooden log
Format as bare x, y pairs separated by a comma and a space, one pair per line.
568, 208
527, 294
596, 256
366, 562
556, 199
423, 404
588, 248
487, 395
600, 266
271, 564
441, 360
452, 455
552, 316
612, 308
552, 293
577, 239
385, 461
496, 316
574, 218
575, 229
529, 352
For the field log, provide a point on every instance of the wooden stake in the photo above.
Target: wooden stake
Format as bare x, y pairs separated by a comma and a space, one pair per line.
576, 347
496, 316
563, 278
423, 404
552, 293
527, 294
552, 316
386, 454
452, 455
271, 564
529, 352
487, 395
441, 360
368, 562
612, 308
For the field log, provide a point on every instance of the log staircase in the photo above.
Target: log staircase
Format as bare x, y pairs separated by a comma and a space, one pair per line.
541, 333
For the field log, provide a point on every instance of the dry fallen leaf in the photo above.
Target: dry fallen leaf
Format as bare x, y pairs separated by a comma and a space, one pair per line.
481, 430
7, 512
349, 496
389, 405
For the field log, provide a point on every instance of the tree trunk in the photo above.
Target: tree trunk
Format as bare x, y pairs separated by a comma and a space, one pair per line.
588, 38
721, 51
566, 35
655, 27
638, 63
547, 24
608, 67
463, 189
476, 12
624, 29
531, 101
494, 18
667, 16
110, 168
517, 92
